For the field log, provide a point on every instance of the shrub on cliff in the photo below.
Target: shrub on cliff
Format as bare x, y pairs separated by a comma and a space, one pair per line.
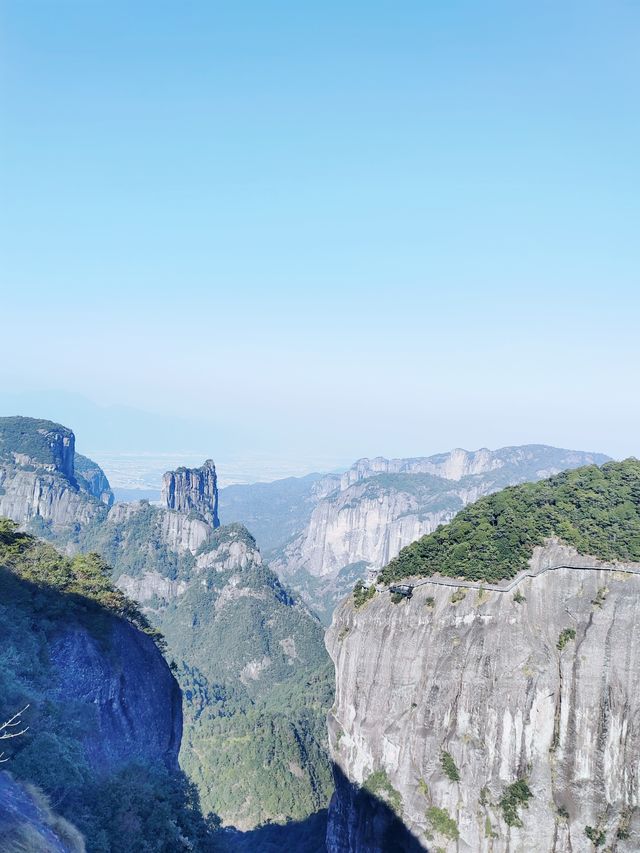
362, 593
515, 797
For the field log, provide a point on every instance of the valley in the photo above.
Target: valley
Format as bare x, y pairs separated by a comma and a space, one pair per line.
319, 497
500, 573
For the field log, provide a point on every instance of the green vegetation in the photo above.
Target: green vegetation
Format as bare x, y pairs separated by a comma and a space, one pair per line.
597, 510
596, 836
362, 593
443, 823
515, 797
29, 437
134, 544
274, 512
142, 806
600, 597
566, 635
85, 578
458, 595
326, 592
425, 489
429, 601
397, 597
255, 709
253, 762
449, 766
518, 597
379, 786
255, 739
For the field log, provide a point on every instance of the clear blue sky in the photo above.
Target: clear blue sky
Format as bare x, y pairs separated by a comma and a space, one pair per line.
362, 227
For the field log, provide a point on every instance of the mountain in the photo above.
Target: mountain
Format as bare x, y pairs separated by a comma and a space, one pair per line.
255, 740
193, 490
249, 656
496, 708
274, 512
44, 483
362, 519
101, 709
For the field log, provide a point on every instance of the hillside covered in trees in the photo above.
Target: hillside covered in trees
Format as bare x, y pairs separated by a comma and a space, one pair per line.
595, 509
102, 710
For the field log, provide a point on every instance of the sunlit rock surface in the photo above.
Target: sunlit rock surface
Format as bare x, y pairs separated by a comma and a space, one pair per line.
480, 675
363, 519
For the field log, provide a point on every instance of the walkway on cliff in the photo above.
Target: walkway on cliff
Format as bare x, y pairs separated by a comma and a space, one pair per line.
624, 568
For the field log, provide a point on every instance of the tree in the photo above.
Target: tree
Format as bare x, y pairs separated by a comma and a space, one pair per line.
6, 730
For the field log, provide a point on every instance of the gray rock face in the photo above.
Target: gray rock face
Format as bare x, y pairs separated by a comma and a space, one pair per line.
92, 479
182, 532
365, 517
231, 550
193, 490
38, 479
173, 548
511, 693
151, 586
28, 825
29, 496
540, 461
136, 700
38, 443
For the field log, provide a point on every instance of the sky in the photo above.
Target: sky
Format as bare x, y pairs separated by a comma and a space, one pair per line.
323, 230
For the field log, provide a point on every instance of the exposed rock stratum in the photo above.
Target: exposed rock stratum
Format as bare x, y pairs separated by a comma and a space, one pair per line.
504, 687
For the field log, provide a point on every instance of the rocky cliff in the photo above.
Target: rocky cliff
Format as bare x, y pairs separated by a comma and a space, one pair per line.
381, 505
157, 553
136, 701
39, 485
37, 443
102, 709
178, 551
483, 680
92, 479
250, 658
28, 824
499, 716
193, 490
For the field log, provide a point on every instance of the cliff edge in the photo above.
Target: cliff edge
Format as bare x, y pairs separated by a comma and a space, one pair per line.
498, 711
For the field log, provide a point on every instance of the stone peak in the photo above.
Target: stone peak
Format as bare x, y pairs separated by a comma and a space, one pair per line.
192, 490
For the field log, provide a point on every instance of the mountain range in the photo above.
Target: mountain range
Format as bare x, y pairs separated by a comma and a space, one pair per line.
480, 691
323, 533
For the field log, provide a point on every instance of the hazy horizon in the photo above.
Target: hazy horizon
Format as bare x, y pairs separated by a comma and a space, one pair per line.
135, 447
